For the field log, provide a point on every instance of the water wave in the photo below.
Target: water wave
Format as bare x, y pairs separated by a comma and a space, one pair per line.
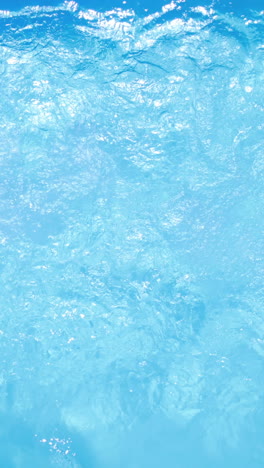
131, 236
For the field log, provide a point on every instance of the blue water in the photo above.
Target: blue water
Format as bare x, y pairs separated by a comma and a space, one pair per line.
131, 237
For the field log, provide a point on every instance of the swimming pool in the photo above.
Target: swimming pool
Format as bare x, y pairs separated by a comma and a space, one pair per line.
131, 236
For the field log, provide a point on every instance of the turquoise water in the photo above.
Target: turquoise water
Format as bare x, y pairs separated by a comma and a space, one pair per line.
131, 238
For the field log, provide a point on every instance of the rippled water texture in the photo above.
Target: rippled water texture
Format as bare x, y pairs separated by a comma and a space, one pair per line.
131, 238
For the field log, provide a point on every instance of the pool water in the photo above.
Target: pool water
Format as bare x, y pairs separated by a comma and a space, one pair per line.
131, 237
